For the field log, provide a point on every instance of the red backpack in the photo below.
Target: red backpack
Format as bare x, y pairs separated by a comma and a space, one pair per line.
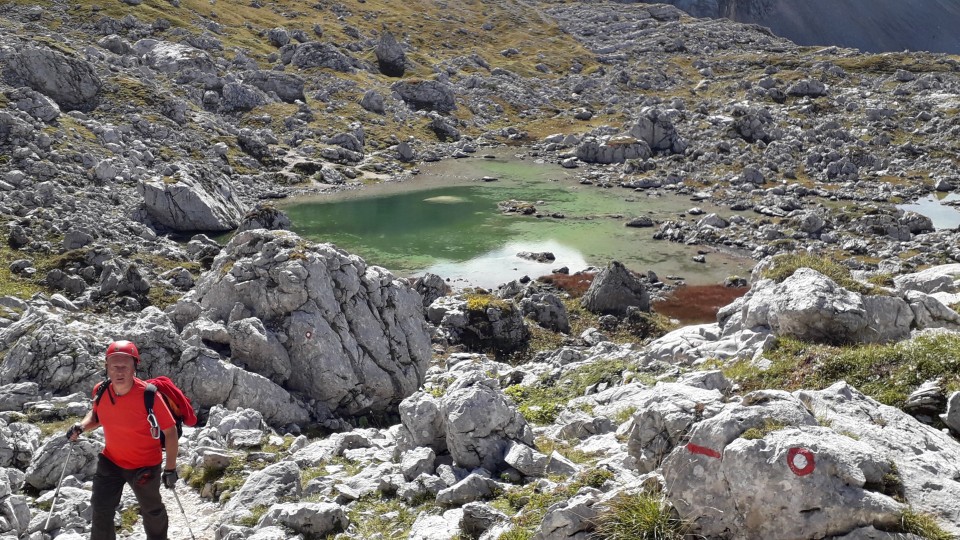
179, 404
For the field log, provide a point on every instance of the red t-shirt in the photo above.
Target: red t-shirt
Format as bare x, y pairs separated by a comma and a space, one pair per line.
126, 430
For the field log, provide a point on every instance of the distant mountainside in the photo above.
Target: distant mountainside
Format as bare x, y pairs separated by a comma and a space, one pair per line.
869, 25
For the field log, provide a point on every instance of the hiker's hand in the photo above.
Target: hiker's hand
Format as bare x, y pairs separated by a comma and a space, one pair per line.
169, 478
74, 432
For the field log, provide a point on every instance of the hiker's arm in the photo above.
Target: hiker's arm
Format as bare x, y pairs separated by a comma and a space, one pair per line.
171, 446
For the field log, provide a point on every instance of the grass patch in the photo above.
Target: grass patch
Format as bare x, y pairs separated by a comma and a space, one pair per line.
643, 516
52, 427
480, 303
548, 446
528, 504
769, 426
887, 373
129, 517
785, 265
251, 519
923, 525
375, 516
543, 402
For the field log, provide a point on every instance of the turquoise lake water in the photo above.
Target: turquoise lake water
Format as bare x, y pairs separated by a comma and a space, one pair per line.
446, 221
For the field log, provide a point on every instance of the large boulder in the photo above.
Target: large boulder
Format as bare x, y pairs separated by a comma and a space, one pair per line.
480, 322
287, 87
665, 415
810, 306
322, 55
927, 460
548, 310
71, 82
655, 128
480, 423
768, 452
473, 420
193, 199
354, 336
426, 95
612, 149
615, 289
167, 57
264, 488
242, 97
390, 56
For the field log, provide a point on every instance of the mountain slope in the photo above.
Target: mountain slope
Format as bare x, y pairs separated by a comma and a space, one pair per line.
869, 25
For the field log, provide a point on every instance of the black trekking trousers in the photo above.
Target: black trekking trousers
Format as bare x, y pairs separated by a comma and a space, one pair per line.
107, 490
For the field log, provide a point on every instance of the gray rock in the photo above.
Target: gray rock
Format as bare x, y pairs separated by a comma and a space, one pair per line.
924, 456
480, 422
71, 82
323, 55
417, 461
611, 150
655, 128
287, 87
665, 415
264, 488
436, 527
354, 335
314, 520
811, 306
836, 472
241, 97
430, 286
194, 199
264, 216
426, 95
952, 417
48, 462
548, 310
570, 518
278, 36
15, 395
167, 57
478, 518
390, 56
615, 289
372, 101
470, 489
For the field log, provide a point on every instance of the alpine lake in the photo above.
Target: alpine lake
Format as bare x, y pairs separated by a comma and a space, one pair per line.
446, 220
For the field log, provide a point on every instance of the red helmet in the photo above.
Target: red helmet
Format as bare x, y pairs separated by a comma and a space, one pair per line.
124, 347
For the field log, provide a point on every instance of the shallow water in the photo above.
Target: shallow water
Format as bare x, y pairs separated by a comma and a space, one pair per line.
446, 221
942, 215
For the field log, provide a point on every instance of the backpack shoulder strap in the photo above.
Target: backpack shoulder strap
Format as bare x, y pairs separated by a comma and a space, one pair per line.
149, 395
100, 390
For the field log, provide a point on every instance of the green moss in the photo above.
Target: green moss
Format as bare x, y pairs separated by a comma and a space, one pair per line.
51, 428
887, 373
639, 517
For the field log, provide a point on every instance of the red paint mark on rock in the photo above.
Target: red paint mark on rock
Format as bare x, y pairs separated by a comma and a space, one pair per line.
309, 334
800, 461
702, 450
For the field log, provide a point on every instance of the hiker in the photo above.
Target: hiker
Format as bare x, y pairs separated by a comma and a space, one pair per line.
132, 453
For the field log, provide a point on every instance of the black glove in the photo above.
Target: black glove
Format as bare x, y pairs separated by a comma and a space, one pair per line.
169, 478
74, 432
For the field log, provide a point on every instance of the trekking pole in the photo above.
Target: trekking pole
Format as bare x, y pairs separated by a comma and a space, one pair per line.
56, 493
186, 518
